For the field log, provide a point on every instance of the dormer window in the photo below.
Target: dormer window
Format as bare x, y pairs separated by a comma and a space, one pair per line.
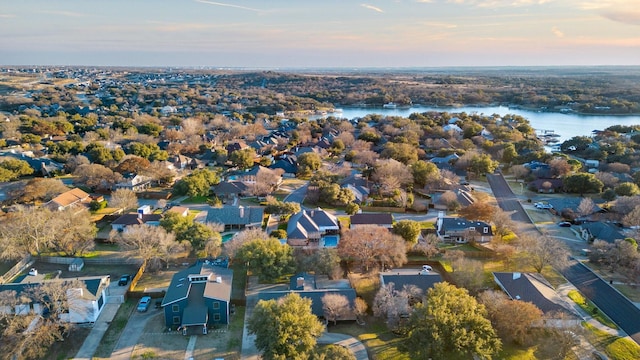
199, 278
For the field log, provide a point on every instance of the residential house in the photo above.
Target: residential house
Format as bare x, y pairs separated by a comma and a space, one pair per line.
359, 186
464, 197
134, 182
460, 230
257, 174
591, 231
85, 303
571, 204
308, 227
548, 186
180, 210
229, 191
235, 146
198, 298
363, 219
445, 160
71, 198
288, 164
422, 280
534, 288
236, 217
312, 287
142, 216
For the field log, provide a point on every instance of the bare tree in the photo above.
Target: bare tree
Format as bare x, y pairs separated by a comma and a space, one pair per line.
124, 199
96, 176
543, 251
360, 308
392, 174
372, 245
559, 167
38, 189
153, 244
626, 204
607, 179
478, 210
450, 199
38, 229
27, 335
503, 223
336, 307
520, 171
428, 246
586, 207
392, 304
468, 274
513, 320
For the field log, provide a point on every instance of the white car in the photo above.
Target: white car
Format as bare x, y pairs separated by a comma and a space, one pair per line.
540, 205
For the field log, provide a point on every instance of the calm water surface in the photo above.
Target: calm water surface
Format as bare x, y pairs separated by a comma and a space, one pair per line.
566, 125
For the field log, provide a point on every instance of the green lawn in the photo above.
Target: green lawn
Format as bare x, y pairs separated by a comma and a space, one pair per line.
239, 282
591, 309
195, 200
617, 348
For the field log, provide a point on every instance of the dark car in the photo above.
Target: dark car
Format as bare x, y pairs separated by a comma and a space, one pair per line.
564, 224
124, 280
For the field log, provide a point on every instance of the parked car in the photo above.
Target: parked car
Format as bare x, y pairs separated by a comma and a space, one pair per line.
426, 268
540, 205
124, 280
143, 304
564, 224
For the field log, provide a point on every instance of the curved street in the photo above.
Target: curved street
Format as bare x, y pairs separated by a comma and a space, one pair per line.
617, 307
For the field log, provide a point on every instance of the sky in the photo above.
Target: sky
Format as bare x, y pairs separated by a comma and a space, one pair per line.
320, 34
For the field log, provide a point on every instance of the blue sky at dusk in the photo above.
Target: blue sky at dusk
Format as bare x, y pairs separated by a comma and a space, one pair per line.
326, 33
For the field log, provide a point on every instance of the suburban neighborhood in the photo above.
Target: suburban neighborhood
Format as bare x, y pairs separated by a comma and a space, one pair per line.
198, 215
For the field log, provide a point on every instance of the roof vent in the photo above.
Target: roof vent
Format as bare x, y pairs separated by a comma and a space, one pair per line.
181, 279
219, 279
517, 297
179, 285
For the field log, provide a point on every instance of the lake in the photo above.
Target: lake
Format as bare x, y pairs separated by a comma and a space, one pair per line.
567, 125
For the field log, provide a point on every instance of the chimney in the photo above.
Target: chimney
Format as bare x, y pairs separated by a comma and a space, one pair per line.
516, 275
299, 283
439, 222
219, 279
241, 208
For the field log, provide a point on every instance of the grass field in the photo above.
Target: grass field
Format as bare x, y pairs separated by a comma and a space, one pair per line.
617, 348
591, 309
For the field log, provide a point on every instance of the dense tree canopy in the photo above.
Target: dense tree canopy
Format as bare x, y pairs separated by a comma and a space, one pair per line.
269, 259
451, 322
285, 328
582, 183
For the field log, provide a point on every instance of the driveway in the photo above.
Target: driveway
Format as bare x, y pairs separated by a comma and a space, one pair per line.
297, 195
131, 333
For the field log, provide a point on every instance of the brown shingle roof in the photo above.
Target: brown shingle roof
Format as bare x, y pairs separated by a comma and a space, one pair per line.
70, 197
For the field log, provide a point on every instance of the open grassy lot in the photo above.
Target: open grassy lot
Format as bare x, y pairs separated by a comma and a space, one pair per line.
88, 270
156, 280
380, 342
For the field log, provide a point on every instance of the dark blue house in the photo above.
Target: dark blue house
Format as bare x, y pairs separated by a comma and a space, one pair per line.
198, 298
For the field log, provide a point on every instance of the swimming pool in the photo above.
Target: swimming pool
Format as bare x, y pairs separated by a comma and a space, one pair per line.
227, 237
330, 240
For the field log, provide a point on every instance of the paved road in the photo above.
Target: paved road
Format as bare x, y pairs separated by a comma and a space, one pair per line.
297, 195
622, 311
508, 201
607, 298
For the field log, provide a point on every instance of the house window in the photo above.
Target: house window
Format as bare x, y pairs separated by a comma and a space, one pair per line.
175, 308
486, 230
216, 305
216, 317
176, 320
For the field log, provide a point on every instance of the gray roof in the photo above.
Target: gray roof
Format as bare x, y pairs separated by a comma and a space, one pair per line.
533, 288
181, 288
235, 215
603, 231
134, 219
306, 224
459, 224
371, 219
422, 281
572, 203
230, 187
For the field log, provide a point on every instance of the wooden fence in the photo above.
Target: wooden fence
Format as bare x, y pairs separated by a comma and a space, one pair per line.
17, 269
91, 261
